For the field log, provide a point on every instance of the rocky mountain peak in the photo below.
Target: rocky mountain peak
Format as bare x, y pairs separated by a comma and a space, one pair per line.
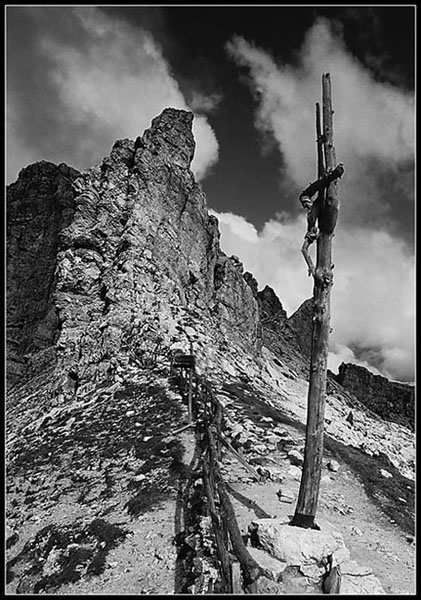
170, 138
301, 325
137, 247
270, 305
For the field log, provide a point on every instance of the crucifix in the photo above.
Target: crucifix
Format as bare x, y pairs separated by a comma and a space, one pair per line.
322, 214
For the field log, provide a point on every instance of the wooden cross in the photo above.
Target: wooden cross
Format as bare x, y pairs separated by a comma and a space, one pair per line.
322, 214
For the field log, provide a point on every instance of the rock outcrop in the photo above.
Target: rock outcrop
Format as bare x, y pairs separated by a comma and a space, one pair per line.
301, 326
391, 400
310, 550
39, 206
288, 338
109, 245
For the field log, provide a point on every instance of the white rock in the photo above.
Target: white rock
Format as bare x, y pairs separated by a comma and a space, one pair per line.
189, 331
361, 586
263, 471
285, 496
295, 457
333, 465
245, 437
130, 413
278, 430
260, 448
312, 571
275, 474
295, 473
272, 438
340, 555
273, 567
326, 479
298, 546
237, 430
385, 473
350, 567
224, 401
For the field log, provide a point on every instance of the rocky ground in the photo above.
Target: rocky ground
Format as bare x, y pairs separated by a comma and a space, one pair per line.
374, 539
95, 490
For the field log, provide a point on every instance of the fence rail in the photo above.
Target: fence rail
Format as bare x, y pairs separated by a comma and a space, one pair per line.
206, 413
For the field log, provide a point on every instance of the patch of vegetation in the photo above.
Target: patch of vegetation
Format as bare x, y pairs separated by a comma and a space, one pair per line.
60, 555
150, 495
103, 430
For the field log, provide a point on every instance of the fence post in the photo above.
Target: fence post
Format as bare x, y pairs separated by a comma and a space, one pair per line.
190, 394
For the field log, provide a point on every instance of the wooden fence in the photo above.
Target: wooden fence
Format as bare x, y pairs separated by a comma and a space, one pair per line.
237, 568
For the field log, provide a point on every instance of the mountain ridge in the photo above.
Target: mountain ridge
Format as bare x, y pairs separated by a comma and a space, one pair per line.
111, 271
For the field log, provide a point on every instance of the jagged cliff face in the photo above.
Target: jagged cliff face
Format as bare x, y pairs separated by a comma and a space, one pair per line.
39, 206
391, 400
125, 246
288, 338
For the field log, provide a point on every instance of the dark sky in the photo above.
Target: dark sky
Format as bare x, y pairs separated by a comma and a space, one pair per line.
193, 40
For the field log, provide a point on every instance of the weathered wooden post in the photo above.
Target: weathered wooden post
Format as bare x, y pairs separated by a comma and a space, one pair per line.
190, 389
190, 394
323, 211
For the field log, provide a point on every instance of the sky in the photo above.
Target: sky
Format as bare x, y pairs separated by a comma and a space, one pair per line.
78, 78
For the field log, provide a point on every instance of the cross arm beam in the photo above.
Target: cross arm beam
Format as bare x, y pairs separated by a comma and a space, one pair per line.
319, 184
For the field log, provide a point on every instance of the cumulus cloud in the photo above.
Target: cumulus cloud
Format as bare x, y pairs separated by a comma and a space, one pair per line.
343, 354
204, 103
372, 300
101, 79
373, 296
373, 122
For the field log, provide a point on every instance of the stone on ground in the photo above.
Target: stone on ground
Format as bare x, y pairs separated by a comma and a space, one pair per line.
272, 567
298, 546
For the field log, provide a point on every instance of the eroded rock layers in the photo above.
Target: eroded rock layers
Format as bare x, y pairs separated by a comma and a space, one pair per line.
98, 261
391, 400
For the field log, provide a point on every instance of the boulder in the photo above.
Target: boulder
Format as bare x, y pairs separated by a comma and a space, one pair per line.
272, 567
359, 580
295, 473
333, 465
298, 546
385, 473
295, 458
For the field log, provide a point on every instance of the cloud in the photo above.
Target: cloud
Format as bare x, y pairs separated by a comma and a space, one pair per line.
373, 296
343, 354
372, 299
373, 122
204, 103
98, 79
